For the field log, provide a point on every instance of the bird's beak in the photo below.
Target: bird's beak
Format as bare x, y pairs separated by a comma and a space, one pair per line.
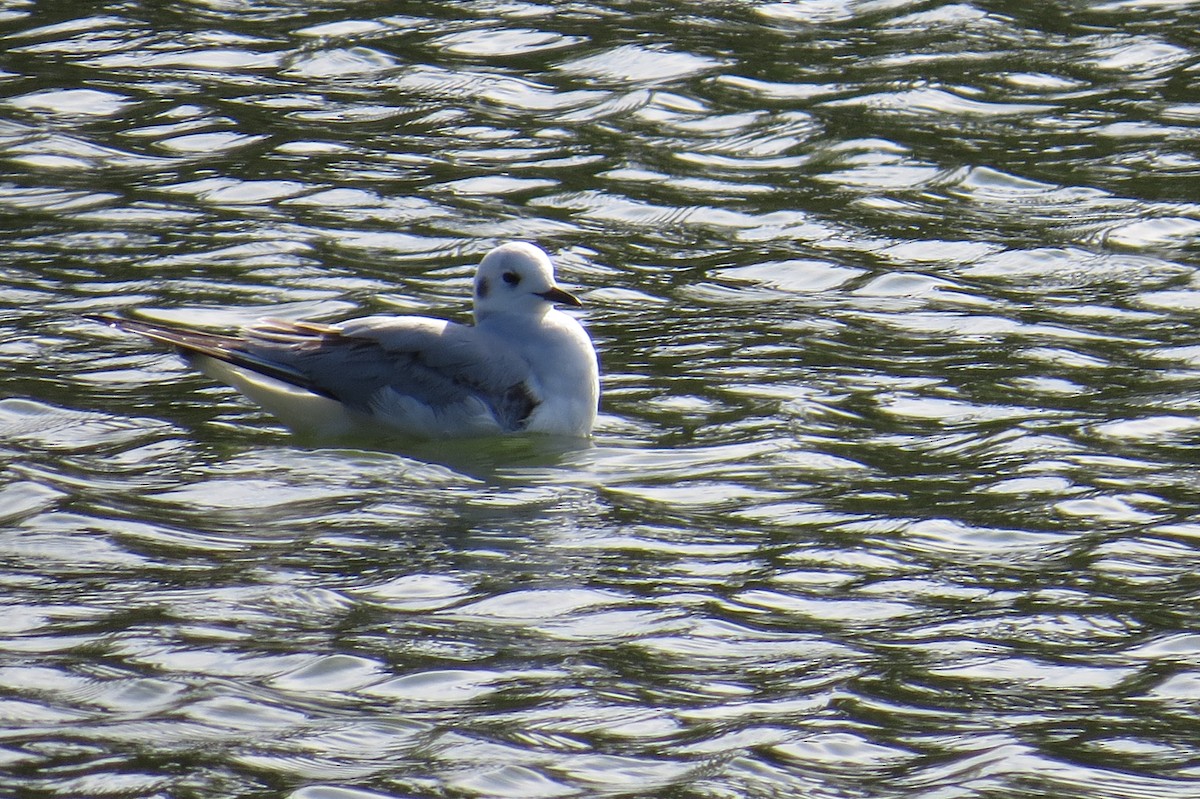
562, 297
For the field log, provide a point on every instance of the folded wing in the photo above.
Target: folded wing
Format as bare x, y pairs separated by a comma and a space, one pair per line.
417, 374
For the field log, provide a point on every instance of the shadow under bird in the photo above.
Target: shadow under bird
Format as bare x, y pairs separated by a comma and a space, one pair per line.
524, 367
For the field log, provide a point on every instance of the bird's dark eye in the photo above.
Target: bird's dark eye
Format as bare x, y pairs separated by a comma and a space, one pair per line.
511, 278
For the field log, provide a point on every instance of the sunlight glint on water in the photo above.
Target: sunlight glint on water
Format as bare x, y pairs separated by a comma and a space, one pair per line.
892, 493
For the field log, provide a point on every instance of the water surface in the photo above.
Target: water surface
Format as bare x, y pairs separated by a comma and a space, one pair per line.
893, 493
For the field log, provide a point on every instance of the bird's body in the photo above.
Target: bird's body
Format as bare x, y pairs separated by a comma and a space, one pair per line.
523, 367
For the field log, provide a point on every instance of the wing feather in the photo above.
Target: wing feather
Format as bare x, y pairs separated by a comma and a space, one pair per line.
367, 364
436, 363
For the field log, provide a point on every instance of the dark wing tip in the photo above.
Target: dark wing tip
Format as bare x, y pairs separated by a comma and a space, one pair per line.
233, 350
103, 318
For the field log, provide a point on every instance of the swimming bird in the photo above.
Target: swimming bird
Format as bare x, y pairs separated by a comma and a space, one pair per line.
524, 367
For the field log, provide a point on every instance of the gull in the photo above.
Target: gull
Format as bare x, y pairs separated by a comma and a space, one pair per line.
523, 367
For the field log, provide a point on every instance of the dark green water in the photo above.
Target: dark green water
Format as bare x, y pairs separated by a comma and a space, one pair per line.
894, 492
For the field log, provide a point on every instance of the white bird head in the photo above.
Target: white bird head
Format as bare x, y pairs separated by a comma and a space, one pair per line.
517, 278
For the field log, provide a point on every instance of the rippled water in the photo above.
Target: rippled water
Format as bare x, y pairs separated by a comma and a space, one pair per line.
894, 490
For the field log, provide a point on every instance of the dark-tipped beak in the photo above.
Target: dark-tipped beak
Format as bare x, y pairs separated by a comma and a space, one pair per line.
561, 297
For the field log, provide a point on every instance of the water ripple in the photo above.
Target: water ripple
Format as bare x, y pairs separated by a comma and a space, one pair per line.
892, 492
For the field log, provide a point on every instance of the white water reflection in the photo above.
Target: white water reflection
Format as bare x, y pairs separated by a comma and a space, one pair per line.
892, 492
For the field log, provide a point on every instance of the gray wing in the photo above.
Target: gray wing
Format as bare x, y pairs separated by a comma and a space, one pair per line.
438, 364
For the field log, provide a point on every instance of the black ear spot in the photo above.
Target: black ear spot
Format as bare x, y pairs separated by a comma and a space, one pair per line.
511, 278
481, 287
